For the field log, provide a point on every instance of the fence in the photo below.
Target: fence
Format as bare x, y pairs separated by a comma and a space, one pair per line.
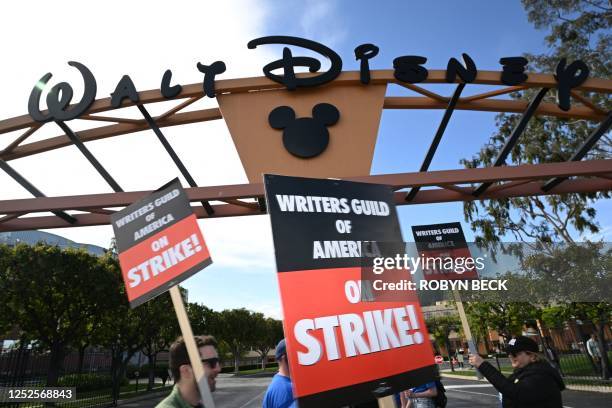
24, 367
576, 368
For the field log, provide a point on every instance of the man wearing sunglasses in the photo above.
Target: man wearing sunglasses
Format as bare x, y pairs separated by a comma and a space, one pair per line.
533, 383
185, 393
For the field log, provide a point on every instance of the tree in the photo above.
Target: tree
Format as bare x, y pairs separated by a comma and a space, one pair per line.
203, 319
237, 328
507, 318
441, 327
480, 328
577, 280
5, 320
121, 327
268, 332
599, 313
568, 272
159, 328
578, 30
53, 294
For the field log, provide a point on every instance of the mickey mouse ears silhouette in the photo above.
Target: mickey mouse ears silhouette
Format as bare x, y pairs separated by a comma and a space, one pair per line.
305, 137
324, 113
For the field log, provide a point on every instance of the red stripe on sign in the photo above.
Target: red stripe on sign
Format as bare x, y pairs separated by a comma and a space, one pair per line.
162, 257
335, 340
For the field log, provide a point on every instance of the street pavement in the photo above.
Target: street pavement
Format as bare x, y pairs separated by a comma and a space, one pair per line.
248, 391
231, 392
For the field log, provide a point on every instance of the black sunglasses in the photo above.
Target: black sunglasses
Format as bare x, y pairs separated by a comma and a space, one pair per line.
211, 362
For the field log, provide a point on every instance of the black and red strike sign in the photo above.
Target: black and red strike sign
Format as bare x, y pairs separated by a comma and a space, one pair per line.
444, 241
341, 350
159, 243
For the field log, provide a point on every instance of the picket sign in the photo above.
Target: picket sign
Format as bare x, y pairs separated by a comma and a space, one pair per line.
159, 245
448, 237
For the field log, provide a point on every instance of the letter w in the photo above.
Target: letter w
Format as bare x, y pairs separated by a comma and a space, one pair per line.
285, 202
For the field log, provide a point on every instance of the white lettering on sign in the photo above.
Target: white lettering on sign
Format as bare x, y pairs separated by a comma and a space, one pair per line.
336, 249
369, 332
370, 207
426, 233
311, 343
167, 259
155, 225
312, 204
328, 324
332, 205
134, 214
167, 197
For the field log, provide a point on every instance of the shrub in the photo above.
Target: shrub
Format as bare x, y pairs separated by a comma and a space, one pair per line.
161, 371
230, 369
88, 381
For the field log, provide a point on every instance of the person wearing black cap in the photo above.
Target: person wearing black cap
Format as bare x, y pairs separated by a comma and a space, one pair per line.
533, 384
279, 393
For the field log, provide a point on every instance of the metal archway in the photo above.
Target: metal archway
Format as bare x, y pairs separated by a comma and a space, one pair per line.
493, 183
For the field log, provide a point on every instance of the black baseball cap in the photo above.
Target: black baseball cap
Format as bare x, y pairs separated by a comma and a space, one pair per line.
522, 343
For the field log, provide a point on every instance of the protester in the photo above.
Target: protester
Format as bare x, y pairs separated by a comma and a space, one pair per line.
279, 393
420, 397
185, 393
533, 384
593, 350
460, 358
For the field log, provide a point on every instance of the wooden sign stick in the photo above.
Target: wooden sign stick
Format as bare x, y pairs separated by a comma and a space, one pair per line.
192, 349
466, 328
386, 402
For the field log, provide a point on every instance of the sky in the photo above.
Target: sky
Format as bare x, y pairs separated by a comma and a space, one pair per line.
143, 39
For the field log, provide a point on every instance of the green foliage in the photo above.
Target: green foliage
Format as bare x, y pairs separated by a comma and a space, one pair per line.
66, 299
88, 381
563, 273
555, 316
203, 319
577, 30
158, 324
268, 332
160, 370
440, 327
121, 326
6, 321
507, 318
238, 329
596, 312
249, 368
53, 294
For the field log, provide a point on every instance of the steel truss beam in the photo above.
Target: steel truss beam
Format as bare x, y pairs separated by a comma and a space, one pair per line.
23, 182
525, 176
90, 157
514, 136
583, 150
438, 136
175, 158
